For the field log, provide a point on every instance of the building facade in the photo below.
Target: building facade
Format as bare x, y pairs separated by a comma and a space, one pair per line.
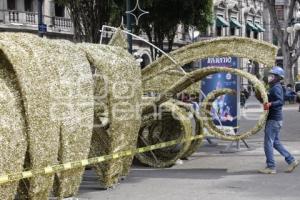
238, 17
22, 15
231, 18
282, 9
243, 18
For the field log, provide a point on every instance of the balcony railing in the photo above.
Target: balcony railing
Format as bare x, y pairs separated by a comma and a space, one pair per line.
31, 17
13, 16
30, 20
61, 22
24, 18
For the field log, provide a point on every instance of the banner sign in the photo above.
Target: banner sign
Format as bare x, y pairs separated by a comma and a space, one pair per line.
225, 108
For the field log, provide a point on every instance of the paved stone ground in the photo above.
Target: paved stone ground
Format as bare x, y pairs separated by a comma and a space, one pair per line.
209, 175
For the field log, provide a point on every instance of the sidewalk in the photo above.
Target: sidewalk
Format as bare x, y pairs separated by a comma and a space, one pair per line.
209, 175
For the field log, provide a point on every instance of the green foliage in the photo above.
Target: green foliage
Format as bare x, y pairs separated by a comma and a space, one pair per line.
88, 16
161, 22
165, 15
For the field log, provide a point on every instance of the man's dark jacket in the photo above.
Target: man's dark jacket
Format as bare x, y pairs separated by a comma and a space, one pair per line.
276, 99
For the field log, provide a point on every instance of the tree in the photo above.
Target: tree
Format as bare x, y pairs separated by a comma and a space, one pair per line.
161, 23
164, 16
290, 49
88, 16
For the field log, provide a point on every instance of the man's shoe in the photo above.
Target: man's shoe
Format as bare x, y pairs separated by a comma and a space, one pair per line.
267, 171
292, 166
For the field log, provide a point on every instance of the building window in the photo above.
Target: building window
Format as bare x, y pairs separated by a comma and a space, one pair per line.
279, 62
256, 35
204, 33
279, 11
248, 33
275, 40
219, 30
232, 31
59, 10
256, 69
11, 4
28, 5
220, 24
279, 52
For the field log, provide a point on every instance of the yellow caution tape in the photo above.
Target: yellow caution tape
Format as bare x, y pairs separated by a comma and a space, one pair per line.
82, 163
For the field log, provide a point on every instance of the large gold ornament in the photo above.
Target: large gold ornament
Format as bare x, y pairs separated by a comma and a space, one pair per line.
172, 123
165, 71
53, 111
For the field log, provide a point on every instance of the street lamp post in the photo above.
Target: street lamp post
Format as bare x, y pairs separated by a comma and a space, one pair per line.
136, 12
129, 26
40, 17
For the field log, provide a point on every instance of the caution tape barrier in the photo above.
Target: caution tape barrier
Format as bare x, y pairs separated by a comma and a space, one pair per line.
82, 163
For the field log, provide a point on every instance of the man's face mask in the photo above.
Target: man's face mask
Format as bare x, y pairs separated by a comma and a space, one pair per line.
271, 78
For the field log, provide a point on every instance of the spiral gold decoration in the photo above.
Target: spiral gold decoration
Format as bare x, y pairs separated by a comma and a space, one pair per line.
162, 77
259, 51
171, 123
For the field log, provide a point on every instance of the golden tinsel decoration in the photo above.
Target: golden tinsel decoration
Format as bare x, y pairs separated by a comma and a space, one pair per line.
117, 95
162, 127
58, 89
118, 39
76, 107
37, 82
252, 49
211, 97
172, 123
197, 124
165, 80
163, 77
58, 122
12, 126
200, 74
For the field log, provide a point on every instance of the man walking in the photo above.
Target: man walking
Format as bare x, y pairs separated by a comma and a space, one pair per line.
274, 124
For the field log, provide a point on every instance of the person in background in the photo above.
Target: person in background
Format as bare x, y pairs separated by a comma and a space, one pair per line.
290, 94
184, 97
243, 100
194, 102
283, 87
274, 124
246, 93
249, 88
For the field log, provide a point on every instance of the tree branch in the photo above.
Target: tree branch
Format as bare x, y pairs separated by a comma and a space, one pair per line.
290, 12
290, 16
297, 55
274, 19
295, 45
295, 41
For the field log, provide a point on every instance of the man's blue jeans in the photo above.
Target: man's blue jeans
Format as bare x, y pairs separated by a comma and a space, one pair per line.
272, 131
